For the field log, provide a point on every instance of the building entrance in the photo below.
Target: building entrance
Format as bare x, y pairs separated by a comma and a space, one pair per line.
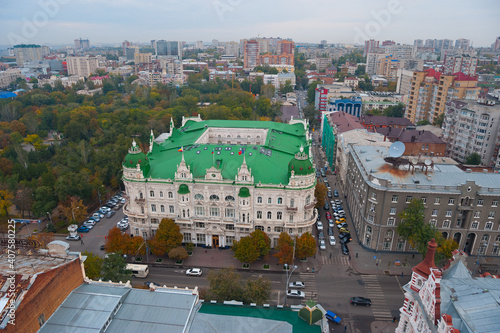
215, 241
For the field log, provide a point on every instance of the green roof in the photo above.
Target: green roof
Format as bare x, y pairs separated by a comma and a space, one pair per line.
292, 317
275, 152
244, 192
183, 189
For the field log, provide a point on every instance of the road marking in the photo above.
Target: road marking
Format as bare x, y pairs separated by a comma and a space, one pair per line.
374, 292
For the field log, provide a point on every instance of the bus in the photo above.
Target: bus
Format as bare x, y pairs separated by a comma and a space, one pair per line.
138, 271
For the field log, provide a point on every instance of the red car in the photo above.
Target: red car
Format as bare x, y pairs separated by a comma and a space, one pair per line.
328, 215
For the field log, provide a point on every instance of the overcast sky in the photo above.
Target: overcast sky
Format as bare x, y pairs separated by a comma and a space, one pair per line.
113, 21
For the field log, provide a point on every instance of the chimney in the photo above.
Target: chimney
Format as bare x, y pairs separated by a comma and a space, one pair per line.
424, 268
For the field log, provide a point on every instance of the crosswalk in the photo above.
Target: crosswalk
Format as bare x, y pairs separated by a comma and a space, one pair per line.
374, 292
311, 289
335, 260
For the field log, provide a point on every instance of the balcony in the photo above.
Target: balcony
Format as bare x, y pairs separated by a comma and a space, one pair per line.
140, 201
291, 209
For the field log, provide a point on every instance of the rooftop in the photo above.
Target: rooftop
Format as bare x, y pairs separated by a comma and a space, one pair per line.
385, 121
408, 136
344, 121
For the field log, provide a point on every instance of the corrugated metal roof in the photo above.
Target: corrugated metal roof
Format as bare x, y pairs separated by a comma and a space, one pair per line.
219, 323
92, 307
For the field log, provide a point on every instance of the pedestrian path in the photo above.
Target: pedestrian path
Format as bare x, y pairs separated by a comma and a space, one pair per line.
335, 260
311, 289
374, 292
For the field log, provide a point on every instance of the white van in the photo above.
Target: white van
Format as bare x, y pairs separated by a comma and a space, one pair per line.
139, 271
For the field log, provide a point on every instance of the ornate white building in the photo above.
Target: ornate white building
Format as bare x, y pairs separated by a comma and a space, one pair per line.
222, 179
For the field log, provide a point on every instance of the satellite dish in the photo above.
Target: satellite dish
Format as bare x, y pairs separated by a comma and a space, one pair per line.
396, 149
428, 162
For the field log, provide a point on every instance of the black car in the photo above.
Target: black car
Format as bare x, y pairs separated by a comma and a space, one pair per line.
335, 193
361, 301
345, 249
326, 207
345, 238
327, 184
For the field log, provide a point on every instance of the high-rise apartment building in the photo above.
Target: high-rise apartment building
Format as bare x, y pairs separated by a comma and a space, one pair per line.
372, 61
388, 66
400, 51
464, 63
370, 46
462, 43
403, 79
496, 45
286, 47
418, 43
82, 44
199, 44
250, 54
82, 66
388, 43
29, 52
232, 48
472, 127
169, 49
430, 90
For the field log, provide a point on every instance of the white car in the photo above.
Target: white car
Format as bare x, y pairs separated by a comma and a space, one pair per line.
330, 223
322, 245
292, 293
297, 284
76, 237
194, 272
332, 240
99, 215
320, 225
91, 222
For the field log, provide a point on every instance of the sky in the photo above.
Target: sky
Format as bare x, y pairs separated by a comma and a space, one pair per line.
59, 22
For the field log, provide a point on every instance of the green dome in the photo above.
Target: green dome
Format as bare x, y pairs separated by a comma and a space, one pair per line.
183, 189
244, 192
135, 156
300, 164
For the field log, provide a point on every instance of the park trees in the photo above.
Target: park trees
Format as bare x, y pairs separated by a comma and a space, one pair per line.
305, 245
93, 265
167, 237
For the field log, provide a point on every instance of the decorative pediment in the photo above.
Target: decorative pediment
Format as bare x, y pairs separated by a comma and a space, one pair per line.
213, 174
183, 170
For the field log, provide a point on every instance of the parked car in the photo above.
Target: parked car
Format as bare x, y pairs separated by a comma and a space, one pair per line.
345, 249
329, 194
330, 231
104, 208
194, 272
88, 225
326, 207
109, 254
297, 284
103, 247
73, 238
332, 240
330, 223
344, 230
333, 317
361, 301
342, 225
292, 293
338, 201
322, 245
99, 215
83, 229
319, 225
110, 213
328, 215
94, 218
335, 193
345, 238
152, 283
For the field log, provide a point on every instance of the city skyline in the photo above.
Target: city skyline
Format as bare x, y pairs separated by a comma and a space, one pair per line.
59, 22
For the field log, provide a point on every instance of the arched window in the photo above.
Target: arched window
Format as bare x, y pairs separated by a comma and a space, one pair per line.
279, 215
214, 197
280, 201
243, 215
142, 209
259, 214
199, 197
229, 198
152, 194
170, 195
162, 209
268, 229
153, 208
269, 200
259, 199
292, 203
140, 195
183, 213
188, 212
161, 194
269, 215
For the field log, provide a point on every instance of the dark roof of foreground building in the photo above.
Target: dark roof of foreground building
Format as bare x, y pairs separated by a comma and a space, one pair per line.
407, 136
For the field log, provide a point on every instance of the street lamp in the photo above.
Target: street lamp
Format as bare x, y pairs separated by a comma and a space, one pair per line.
288, 276
99, 194
73, 212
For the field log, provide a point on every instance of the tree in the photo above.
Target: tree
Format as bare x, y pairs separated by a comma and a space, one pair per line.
245, 250
178, 253
257, 291
93, 265
166, 238
6, 198
413, 228
225, 285
114, 268
446, 247
73, 209
284, 250
439, 120
395, 111
423, 122
305, 246
267, 90
320, 194
287, 87
116, 240
473, 159
262, 242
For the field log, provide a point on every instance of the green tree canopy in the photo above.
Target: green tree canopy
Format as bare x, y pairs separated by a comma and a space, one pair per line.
473, 159
167, 237
114, 268
93, 265
413, 228
245, 250
225, 285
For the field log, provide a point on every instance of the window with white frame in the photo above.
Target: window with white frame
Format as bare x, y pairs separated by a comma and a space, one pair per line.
171, 209
170, 195
152, 194
494, 203
153, 208
259, 199
433, 222
394, 199
477, 214
480, 202
374, 195
372, 207
446, 223
259, 214
269, 200
448, 213
393, 211
391, 221
371, 218
489, 226
279, 215
229, 240
408, 199
269, 215
200, 225
161, 194
291, 218
199, 210
259, 227
424, 200
200, 238
214, 211
186, 237
292, 203
491, 215
474, 225
437, 201
451, 201
229, 212
434, 212
162, 208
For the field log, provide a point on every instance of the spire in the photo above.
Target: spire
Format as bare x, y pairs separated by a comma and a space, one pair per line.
171, 125
424, 268
151, 140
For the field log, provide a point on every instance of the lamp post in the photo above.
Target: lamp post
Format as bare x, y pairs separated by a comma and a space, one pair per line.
50, 217
73, 212
288, 276
99, 194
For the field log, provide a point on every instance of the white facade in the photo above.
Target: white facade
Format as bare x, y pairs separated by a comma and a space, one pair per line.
82, 66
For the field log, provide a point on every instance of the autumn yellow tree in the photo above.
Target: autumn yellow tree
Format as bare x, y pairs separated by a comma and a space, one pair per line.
320, 194
73, 209
305, 246
6, 198
284, 250
167, 237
